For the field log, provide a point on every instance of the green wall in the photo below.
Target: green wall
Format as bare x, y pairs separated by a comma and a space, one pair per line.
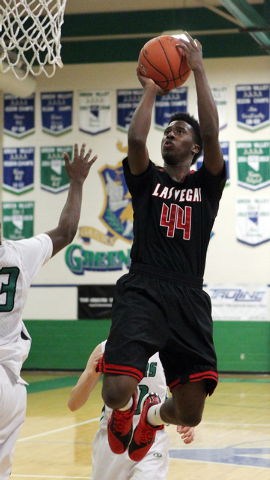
66, 345
233, 339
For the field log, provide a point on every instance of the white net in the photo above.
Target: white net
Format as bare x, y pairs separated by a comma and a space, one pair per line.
30, 35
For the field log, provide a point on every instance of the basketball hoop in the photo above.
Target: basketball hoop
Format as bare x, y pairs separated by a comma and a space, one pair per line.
30, 36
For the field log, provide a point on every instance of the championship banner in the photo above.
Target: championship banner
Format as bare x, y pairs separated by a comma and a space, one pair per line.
19, 115
127, 102
95, 301
53, 175
94, 111
253, 160
220, 95
18, 169
56, 112
238, 302
225, 151
167, 105
252, 102
18, 220
253, 220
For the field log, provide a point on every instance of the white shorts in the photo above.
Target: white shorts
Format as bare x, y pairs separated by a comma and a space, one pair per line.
12, 416
106, 465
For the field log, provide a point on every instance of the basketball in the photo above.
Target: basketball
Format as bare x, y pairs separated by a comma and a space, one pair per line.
165, 63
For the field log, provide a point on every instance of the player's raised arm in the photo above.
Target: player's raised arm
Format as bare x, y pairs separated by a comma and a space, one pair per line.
77, 171
87, 381
207, 110
138, 157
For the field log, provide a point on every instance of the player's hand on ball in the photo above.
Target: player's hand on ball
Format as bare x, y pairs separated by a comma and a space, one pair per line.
145, 82
187, 433
193, 51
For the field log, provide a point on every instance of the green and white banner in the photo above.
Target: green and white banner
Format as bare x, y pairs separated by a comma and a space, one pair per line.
253, 220
53, 176
18, 220
253, 159
95, 111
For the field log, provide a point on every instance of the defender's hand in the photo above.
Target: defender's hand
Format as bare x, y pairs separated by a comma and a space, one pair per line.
79, 168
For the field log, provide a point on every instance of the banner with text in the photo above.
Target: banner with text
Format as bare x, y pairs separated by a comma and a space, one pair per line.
18, 220
18, 169
253, 220
127, 102
94, 111
56, 112
253, 160
252, 103
53, 175
238, 302
19, 115
95, 301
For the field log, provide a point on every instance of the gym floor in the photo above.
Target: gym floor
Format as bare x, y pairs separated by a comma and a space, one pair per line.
232, 442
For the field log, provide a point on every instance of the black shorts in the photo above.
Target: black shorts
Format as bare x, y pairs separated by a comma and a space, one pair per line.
153, 311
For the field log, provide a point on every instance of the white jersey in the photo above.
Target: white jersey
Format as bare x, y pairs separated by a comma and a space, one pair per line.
20, 261
153, 381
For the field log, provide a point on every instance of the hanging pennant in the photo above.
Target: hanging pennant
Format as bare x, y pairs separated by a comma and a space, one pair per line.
127, 102
53, 175
18, 220
253, 220
253, 160
19, 115
56, 112
18, 169
252, 102
95, 111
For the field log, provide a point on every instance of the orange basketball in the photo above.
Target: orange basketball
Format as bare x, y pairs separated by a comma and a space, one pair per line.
165, 63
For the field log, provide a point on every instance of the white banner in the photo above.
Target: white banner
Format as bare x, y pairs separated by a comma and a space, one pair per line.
95, 111
253, 220
238, 302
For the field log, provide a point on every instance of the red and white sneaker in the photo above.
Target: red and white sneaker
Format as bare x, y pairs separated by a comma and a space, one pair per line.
120, 428
144, 434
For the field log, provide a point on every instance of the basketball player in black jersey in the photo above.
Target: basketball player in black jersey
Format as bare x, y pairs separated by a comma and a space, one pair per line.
160, 304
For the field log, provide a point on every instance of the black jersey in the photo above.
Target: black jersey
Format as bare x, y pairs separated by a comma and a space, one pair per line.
173, 221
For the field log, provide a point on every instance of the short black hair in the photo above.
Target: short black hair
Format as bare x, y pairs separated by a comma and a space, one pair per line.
186, 117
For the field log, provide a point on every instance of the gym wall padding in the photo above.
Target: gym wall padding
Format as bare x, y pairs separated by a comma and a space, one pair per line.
67, 345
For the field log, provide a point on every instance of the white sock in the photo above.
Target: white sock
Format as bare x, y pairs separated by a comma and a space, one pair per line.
127, 406
153, 415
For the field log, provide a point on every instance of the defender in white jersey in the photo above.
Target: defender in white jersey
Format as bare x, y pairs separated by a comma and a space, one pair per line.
20, 261
105, 464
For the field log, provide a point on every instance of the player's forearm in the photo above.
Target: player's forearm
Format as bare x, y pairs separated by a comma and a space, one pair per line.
207, 110
141, 121
78, 397
70, 216
81, 392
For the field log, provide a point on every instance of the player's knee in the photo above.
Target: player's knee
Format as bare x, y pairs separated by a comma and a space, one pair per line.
189, 419
116, 394
113, 399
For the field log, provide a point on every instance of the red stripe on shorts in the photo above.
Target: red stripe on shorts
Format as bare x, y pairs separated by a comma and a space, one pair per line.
200, 376
196, 377
119, 370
